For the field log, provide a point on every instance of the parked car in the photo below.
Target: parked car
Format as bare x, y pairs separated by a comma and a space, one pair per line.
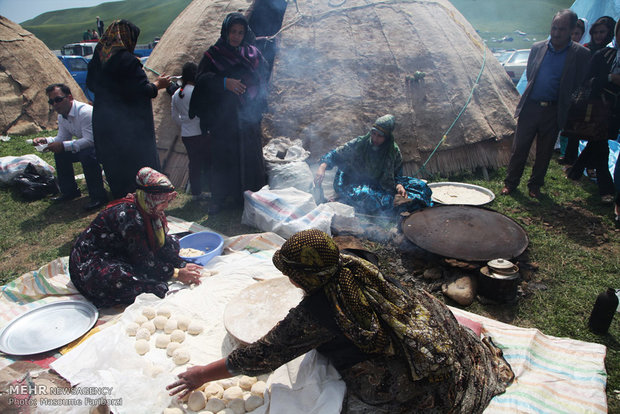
78, 67
78, 49
514, 62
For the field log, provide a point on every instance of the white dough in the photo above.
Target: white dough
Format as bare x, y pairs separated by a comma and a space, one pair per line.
237, 405
171, 325
215, 404
140, 319
181, 356
164, 312
183, 322
194, 328
149, 312
246, 382
155, 370
253, 403
259, 388
232, 393
143, 333
228, 382
177, 336
172, 346
150, 326
162, 341
142, 346
226, 411
213, 389
160, 321
196, 401
132, 328
173, 410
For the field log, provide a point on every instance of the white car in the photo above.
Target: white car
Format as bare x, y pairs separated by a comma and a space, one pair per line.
515, 64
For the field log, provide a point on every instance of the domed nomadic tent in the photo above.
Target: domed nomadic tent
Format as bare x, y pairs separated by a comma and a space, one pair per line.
340, 65
27, 67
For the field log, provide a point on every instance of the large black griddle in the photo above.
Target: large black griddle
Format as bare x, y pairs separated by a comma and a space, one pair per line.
465, 233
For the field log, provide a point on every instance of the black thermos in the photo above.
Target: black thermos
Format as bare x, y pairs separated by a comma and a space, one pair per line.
603, 312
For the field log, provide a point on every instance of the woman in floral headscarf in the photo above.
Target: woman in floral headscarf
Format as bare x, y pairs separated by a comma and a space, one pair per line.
126, 249
123, 127
370, 176
398, 351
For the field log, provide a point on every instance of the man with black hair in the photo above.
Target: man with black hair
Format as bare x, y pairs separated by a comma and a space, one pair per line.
74, 120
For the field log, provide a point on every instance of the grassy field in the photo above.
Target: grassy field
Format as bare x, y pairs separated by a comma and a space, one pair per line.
573, 243
494, 19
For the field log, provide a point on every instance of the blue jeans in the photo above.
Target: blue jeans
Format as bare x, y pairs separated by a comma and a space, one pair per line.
92, 173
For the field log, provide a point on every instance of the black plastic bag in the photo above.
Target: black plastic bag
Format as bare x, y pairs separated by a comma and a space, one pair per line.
34, 186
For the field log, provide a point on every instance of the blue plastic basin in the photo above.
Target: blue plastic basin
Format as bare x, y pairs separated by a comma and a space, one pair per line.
207, 241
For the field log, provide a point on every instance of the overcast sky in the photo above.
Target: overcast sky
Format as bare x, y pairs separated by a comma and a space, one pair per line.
22, 10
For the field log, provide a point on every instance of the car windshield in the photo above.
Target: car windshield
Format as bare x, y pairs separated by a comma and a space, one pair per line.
519, 57
77, 65
503, 56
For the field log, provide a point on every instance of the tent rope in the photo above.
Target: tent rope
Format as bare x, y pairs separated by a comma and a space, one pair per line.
445, 135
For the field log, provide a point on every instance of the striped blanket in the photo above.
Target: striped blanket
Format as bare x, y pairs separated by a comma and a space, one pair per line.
553, 375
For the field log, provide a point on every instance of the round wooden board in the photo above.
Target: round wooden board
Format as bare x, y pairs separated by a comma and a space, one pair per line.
259, 307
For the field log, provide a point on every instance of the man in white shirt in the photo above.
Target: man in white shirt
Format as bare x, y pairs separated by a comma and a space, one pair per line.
74, 120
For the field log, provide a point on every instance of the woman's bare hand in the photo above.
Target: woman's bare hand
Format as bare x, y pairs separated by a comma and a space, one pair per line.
235, 86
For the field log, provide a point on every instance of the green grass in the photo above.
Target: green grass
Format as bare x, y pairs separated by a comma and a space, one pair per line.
60, 27
572, 241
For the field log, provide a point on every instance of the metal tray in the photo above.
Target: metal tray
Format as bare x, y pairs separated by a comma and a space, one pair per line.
460, 193
47, 327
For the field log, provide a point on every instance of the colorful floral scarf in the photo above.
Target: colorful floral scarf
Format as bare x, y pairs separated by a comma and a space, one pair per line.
120, 35
376, 315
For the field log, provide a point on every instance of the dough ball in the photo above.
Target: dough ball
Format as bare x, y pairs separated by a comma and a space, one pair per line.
160, 321
150, 326
177, 336
173, 346
259, 388
171, 325
142, 346
196, 401
162, 341
226, 411
181, 356
156, 370
173, 410
140, 319
246, 382
183, 322
165, 312
228, 382
237, 405
232, 393
253, 402
132, 328
215, 404
213, 389
149, 312
194, 328
143, 333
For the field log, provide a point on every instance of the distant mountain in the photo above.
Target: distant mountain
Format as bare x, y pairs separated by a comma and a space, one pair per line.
60, 27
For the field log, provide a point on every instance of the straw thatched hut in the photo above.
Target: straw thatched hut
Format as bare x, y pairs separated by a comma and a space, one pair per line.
27, 67
342, 64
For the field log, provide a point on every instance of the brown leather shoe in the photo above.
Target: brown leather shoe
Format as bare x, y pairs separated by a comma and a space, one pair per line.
506, 190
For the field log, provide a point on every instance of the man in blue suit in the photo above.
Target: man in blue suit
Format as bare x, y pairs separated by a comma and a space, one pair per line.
555, 69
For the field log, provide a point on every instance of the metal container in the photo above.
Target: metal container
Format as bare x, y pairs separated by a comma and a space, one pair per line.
498, 281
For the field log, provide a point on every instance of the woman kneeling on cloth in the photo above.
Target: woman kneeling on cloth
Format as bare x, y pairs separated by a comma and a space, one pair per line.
370, 172
398, 351
126, 250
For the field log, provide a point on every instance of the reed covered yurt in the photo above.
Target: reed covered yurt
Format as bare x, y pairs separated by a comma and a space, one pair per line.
27, 67
340, 65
